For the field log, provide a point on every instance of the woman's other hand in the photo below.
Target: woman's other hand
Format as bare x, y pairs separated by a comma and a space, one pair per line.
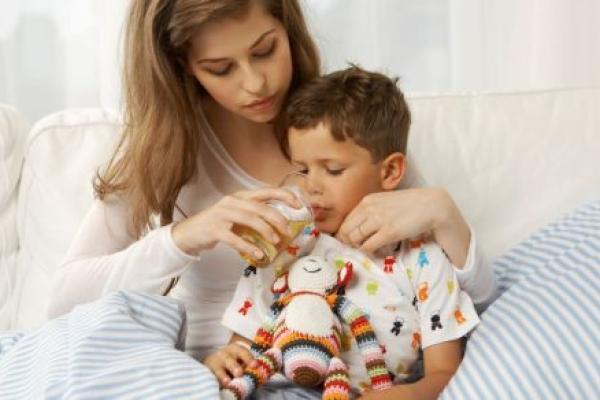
389, 217
204, 230
229, 361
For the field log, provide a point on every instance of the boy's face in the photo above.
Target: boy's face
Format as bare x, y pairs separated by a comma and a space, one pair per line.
337, 174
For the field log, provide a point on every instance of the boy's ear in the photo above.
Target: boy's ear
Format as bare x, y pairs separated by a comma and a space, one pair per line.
392, 171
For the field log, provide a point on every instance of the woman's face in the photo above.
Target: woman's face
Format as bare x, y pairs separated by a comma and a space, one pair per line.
244, 63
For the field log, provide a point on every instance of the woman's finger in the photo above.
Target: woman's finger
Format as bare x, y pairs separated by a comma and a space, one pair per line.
269, 194
242, 217
264, 213
365, 230
348, 232
374, 242
240, 245
355, 238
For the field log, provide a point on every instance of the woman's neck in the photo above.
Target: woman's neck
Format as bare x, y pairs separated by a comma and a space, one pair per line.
252, 145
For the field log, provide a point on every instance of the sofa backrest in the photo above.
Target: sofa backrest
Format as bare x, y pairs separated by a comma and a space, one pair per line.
13, 132
512, 162
63, 152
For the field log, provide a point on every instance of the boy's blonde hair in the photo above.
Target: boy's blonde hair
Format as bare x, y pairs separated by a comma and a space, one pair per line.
364, 106
158, 150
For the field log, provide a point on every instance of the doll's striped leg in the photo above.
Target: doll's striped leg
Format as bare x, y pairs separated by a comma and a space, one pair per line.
337, 382
268, 363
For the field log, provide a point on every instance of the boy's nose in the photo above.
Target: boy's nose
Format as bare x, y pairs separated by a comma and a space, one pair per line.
313, 187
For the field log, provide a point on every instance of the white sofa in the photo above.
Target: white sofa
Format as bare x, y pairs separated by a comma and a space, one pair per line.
513, 162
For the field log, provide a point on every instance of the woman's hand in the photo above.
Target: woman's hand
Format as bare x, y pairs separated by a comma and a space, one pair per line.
248, 208
229, 361
389, 217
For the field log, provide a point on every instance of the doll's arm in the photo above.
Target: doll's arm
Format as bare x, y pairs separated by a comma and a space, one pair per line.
367, 342
264, 335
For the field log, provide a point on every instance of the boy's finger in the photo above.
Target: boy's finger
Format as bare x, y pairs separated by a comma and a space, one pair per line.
233, 366
222, 375
242, 353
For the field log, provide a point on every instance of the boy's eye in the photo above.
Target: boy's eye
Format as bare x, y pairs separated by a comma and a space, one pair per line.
266, 52
302, 172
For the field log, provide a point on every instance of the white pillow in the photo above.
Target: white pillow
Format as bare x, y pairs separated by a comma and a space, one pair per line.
63, 153
13, 131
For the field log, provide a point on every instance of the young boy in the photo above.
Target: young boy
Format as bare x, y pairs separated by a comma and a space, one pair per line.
347, 133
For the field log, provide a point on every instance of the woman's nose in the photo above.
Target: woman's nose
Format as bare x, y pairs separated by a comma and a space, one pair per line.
253, 81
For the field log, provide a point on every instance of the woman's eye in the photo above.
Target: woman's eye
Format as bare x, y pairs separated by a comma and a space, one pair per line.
220, 71
333, 171
263, 53
302, 172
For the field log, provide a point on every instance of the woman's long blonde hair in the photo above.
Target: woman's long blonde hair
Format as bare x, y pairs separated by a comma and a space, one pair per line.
158, 150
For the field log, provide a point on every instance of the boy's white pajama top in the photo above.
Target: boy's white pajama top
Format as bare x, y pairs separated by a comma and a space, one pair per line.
410, 295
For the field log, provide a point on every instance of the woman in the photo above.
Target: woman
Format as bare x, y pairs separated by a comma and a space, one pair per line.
204, 81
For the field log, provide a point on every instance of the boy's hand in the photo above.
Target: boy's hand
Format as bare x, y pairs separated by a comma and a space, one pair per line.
229, 361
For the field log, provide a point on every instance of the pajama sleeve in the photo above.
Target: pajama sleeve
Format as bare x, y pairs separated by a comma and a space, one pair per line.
446, 312
250, 304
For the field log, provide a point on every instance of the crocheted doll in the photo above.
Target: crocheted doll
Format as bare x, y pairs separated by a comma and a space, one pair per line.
302, 335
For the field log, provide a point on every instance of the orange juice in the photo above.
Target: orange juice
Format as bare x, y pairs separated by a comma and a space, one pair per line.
298, 219
269, 250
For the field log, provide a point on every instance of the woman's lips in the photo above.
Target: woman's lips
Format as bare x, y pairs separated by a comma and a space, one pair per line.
261, 104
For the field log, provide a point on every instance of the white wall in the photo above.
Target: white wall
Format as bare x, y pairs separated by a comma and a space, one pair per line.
56, 54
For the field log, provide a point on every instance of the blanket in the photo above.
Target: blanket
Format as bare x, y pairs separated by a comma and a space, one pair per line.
124, 346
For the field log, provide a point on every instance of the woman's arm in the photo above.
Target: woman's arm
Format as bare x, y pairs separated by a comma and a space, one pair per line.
441, 362
105, 257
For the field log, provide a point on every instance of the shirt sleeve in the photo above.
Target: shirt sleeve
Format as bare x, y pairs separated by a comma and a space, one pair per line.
445, 311
105, 257
477, 277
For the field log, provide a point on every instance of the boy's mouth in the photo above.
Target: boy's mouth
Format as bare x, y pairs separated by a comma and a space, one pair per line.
318, 212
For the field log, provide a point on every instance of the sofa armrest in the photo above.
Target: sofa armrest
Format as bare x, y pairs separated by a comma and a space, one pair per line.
13, 132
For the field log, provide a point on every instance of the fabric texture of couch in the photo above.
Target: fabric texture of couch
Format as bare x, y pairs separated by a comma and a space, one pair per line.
513, 162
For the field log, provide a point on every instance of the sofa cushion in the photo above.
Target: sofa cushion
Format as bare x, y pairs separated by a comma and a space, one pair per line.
63, 152
13, 131
513, 162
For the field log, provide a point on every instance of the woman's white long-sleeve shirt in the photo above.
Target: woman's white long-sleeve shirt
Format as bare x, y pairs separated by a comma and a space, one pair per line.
105, 257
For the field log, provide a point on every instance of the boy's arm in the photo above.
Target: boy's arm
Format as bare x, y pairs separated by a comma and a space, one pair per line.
441, 362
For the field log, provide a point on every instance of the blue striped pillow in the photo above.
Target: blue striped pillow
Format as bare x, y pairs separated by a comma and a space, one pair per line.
541, 338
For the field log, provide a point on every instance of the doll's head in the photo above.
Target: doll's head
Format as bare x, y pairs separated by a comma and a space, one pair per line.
313, 274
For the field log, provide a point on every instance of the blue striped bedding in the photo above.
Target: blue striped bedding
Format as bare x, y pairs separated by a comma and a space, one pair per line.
539, 340
124, 346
